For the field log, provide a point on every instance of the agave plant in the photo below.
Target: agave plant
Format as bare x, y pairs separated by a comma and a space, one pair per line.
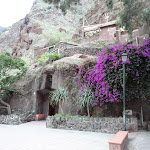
59, 96
86, 99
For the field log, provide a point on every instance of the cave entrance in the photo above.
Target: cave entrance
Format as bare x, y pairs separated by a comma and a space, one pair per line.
43, 104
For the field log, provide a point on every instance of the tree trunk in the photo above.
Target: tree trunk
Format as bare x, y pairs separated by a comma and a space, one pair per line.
61, 108
88, 110
7, 106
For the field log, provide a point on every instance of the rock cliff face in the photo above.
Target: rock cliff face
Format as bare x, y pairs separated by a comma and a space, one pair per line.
99, 13
31, 90
43, 26
9, 36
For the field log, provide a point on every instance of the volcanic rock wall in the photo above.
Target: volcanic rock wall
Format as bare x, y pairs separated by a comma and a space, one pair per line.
43, 26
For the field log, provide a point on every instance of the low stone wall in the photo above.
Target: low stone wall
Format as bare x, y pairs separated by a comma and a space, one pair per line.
105, 125
16, 119
81, 50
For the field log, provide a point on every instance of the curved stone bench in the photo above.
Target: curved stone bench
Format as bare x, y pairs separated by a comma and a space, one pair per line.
118, 141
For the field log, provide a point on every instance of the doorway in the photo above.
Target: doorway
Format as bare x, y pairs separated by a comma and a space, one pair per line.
43, 104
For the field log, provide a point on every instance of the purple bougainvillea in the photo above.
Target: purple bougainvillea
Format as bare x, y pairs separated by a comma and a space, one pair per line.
105, 75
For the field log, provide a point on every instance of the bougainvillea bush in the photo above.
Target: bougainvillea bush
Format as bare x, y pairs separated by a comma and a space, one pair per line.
105, 78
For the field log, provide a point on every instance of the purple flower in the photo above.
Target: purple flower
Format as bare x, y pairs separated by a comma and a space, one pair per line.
137, 74
107, 71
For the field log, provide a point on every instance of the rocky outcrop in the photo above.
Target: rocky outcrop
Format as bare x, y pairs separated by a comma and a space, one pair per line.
99, 13
44, 25
14, 119
25, 42
9, 37
62, 71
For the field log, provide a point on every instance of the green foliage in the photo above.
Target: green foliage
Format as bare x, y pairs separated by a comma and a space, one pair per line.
59, 37
86, 99
63, 5
46, 56
103, 44
130, 16
134, 14
51, 33
77, 39
146, 14
109, 4
59, 96
105, 78
27, 60
58, 115
68, 116
11, 69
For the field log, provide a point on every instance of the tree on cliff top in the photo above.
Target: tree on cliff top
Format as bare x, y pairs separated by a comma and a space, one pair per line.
63, 5
11, 69
134, 13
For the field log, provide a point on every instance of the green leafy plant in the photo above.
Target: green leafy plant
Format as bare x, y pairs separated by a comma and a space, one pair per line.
69, 116
105, 78
103, 44
59, 96
46, 56
86, 99
77, 39
58, 115
11, 69
63, 5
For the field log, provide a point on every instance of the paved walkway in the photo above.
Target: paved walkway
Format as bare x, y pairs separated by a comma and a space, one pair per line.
35, 136
138, 141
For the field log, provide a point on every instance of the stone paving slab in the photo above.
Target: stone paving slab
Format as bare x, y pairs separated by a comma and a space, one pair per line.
138, 141
35, 136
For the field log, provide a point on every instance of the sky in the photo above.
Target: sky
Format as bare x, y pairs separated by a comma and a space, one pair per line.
12, 11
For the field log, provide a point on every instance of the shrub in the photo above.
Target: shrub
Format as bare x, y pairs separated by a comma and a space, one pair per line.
59, 96
105, 78
46, 56
69, 115
11, 69
86, 99
58, 115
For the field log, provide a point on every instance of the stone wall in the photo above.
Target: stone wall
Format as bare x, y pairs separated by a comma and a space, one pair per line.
105, 125
81, 50
16, 119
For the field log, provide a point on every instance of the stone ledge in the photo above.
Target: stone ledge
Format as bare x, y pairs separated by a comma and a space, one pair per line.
105, 125
14, 119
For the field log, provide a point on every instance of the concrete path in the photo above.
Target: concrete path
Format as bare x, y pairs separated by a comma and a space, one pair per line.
138, 141
35, 136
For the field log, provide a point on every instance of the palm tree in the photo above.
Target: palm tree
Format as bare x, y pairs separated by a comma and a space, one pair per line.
86, 100
59, 96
